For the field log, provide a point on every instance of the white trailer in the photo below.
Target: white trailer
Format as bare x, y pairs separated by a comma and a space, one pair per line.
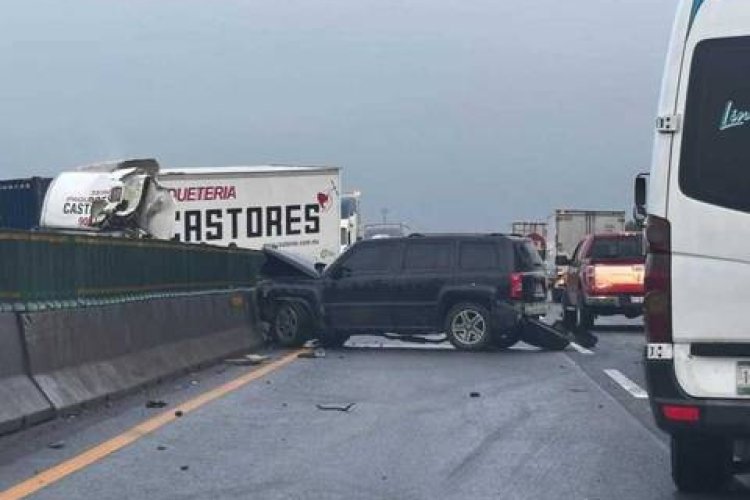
566, 228
295, 208
535, 231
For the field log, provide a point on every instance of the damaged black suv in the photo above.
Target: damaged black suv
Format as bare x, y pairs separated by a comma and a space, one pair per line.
475, 288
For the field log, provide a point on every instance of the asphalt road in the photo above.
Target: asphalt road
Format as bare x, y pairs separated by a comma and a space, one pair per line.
540, 425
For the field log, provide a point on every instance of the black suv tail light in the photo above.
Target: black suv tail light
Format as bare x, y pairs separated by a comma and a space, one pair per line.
658, 281
516, 286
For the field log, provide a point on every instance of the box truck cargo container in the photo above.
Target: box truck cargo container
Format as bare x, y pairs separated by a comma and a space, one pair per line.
294, 208
21, 202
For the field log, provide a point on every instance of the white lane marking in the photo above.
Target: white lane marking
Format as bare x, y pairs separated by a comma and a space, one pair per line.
627, 384
580, 348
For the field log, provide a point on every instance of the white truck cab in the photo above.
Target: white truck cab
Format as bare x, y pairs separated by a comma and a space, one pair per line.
698, 258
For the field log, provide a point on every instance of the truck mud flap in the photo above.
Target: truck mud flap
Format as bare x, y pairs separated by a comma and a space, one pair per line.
542, 335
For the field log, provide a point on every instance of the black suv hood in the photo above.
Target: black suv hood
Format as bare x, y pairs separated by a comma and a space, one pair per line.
284, 264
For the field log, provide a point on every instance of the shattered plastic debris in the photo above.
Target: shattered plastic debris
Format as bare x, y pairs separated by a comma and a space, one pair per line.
161, 447
248, 360
474, 395
184, 467
345, 407
56, 445
178, 413
152, 403
319, 352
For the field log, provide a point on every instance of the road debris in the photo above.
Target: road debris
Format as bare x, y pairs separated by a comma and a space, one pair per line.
155, 403
319, 352
248, 360
184, 467
57, 445
345, 407
178, 413
474, 395
161, 447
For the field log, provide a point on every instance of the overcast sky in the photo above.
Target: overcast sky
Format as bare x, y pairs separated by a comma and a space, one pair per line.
453, 114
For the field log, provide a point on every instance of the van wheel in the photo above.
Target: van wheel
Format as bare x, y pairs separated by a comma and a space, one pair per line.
701, 464
584, 318
291, 324
468, 327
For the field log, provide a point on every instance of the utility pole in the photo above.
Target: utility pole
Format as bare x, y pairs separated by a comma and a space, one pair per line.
384, 212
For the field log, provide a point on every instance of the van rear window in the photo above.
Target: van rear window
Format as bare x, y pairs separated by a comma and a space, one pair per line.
715, 156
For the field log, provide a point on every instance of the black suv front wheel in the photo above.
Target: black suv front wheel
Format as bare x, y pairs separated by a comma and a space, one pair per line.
291, 324
468, 327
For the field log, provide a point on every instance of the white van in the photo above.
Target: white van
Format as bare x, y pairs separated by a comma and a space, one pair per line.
698, 238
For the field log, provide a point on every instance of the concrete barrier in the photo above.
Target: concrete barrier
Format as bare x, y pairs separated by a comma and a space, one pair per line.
21, 401
79, 356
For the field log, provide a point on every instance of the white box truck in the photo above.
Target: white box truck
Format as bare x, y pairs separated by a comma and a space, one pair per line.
566, 228
535, 231
295, 208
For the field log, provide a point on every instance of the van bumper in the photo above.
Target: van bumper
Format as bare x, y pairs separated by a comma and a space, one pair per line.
721, 417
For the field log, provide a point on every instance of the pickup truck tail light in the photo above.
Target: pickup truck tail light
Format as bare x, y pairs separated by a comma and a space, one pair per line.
658, 280
589, 278
516, 286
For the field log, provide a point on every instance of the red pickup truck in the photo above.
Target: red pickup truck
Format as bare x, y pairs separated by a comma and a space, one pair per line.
605, 277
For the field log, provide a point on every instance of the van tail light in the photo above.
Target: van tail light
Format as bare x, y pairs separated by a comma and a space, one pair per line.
589, 278
658, 281
516, 286
680, 413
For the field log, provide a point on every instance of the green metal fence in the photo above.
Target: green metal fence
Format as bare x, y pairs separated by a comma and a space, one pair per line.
70, 269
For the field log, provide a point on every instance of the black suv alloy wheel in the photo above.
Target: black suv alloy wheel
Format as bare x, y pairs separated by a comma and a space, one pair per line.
468, 327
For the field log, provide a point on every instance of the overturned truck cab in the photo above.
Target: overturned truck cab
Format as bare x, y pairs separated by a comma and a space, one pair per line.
116, 198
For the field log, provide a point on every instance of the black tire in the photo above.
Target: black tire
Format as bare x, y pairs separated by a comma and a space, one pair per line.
701, 464
291, 325
554, 340
506, 339
332, 340
468, 327
568, 317
584, 318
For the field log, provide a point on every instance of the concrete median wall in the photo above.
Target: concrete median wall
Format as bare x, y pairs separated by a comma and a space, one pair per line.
21, 401
78, 356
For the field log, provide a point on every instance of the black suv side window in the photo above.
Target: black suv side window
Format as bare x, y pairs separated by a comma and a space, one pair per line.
527, 257
378, 258
477, 256
428, 256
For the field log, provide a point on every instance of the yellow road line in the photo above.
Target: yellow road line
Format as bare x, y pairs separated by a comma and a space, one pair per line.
98, 452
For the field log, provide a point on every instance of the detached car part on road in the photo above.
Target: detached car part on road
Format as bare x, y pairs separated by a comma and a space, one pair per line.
478, 289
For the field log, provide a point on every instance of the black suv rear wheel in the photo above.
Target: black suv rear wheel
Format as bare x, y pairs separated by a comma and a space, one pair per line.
468, 327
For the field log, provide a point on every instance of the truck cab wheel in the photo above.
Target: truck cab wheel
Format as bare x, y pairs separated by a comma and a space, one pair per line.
701, 464
291, 325
468, 327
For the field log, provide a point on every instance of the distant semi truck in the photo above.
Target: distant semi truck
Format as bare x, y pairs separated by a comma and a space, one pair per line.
293, 208
566, 229
21, 202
